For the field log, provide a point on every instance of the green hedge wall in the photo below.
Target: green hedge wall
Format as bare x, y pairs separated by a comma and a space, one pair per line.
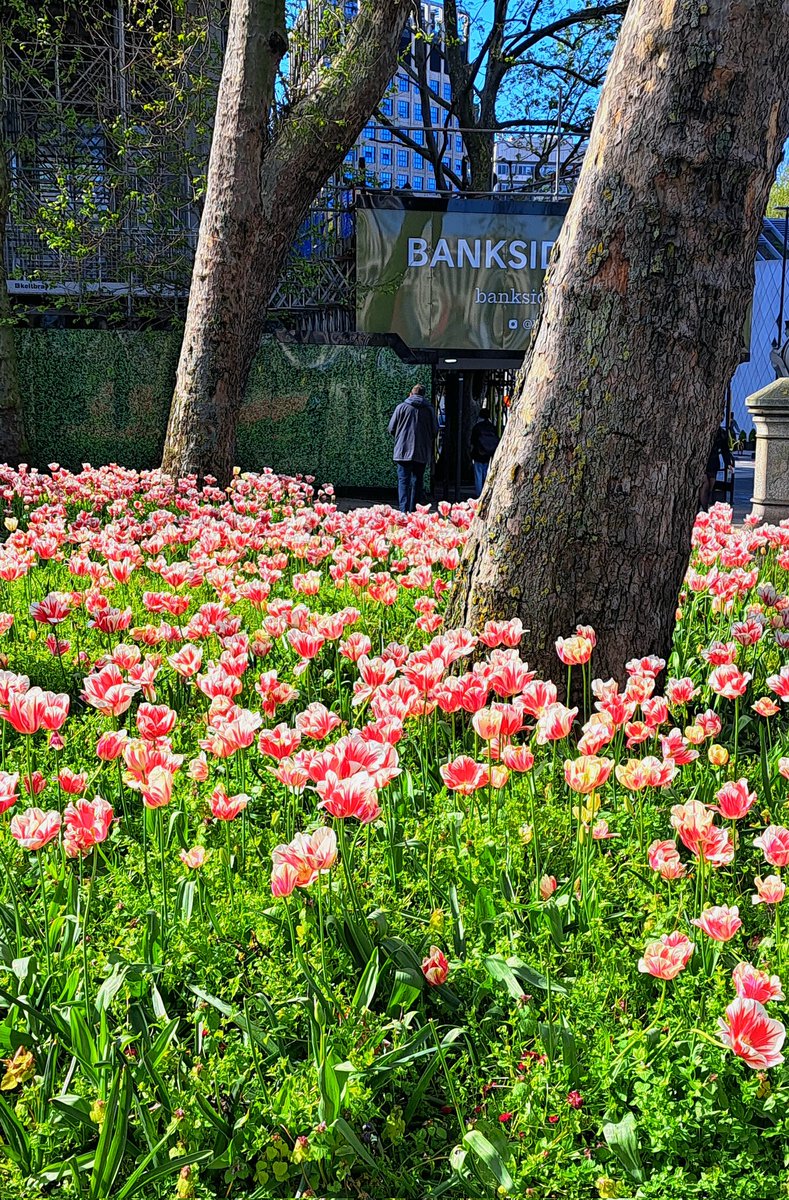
99, 396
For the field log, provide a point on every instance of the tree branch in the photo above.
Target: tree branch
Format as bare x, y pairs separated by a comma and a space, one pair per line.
514, 49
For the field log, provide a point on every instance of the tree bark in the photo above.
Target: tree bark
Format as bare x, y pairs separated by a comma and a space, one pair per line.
12, 436
260, 187
587, 513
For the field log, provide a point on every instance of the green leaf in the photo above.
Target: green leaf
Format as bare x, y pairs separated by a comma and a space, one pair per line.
141, 1178
17, 1146
110, 988
112, 1141
476, 1141
343, 1128
329, 1086
75, 1111
365, 992
516, 974
623, 1140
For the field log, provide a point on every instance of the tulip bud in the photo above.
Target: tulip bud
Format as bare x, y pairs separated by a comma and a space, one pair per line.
718, 755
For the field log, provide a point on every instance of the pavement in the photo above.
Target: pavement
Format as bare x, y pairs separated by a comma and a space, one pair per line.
743, 491
743, 487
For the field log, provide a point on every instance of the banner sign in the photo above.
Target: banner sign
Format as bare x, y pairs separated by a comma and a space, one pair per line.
466, 276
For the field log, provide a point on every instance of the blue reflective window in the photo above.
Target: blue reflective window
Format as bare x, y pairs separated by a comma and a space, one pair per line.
418, 162
402, 181
403, 108
402, 84
447, 90
386, 179
385, 135
386, 158
431, 184
419, 183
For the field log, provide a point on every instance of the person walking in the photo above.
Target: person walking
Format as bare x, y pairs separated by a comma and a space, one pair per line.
413, 427
484, 442
720, 450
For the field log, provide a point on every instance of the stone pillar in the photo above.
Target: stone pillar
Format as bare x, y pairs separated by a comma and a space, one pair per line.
770, 411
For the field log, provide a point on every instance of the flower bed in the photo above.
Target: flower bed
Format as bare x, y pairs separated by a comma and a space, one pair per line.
303, 893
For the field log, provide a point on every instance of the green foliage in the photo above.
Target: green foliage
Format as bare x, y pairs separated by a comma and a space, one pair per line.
172, 1028
779, 194
97, 396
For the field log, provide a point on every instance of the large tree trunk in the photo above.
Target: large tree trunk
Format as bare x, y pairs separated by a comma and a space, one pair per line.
590, 501
259, 191
12, 438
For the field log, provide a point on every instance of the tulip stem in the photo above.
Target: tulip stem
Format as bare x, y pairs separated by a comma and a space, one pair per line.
44, 902
145, 851
229, 875
163, 868
320, 927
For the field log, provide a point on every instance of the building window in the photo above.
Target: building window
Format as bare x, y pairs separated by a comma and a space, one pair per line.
418, 162
431, 183
418, 136
447, 91
402, 83
350, 156
386, 179
458, 167
351, 9
446, 164
386, 107
386, 158
434, 86
402, 181
402, 158
385, 135
459, 144
419, 183
402, 108
369, 131
434, 114
417, 111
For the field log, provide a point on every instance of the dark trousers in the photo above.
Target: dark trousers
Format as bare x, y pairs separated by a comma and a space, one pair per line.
409, 485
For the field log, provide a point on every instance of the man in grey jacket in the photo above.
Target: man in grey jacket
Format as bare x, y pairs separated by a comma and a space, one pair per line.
414, 428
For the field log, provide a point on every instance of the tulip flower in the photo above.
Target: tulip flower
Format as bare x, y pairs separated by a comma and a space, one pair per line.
435, 967
769, 891
194, 859
733, 800
34, 829
8, 790
774, 845
719, 922
752, 984
547, 886
752, 1034
464, 775
667, 956
587, 773
227, 808
86, 824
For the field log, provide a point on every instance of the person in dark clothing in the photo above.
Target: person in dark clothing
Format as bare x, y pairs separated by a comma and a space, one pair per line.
413, 427
484, 441
720, 450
